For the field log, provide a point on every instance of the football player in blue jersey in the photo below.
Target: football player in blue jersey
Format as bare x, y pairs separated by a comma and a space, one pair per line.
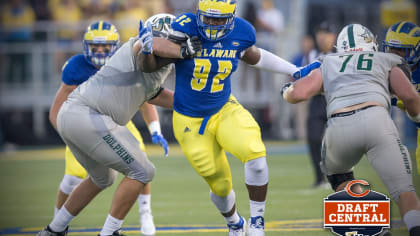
403, 39
100, 42
208, 120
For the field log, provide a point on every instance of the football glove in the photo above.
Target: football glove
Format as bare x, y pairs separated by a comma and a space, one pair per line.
306, 70
285, 87
159, 139
191, 47
146, 37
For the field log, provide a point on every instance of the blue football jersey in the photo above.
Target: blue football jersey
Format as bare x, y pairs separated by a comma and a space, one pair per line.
77, 70
203, 84
415, 76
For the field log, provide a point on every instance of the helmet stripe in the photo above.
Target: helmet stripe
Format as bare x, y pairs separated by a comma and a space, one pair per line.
352, 44
406, 27
94, 26
106, 25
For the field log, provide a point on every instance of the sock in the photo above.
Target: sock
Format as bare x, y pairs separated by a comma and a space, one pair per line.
111, 225
55, 211
257, 208
412, 219
233, 219
61, 220
144, 203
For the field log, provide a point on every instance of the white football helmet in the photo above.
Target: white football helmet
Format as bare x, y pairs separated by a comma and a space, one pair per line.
161, 24
356, 37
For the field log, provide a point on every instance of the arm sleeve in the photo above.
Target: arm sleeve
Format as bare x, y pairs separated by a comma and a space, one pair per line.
269, 61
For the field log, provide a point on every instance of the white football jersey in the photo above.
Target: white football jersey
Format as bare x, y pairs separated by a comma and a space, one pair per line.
119, 88
355, 77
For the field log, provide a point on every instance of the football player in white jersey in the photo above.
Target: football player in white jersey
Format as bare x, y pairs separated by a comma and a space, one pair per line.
358, 82
92, 123
101, 41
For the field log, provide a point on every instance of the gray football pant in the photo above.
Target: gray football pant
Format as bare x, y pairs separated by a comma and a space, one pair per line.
370, 132
101, 146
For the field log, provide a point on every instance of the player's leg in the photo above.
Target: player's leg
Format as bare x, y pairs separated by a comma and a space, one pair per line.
133, 163
418, 151
144, 198
209, 161
315, 127
78, 199
391, 160
73, 175
342, 148
239, 134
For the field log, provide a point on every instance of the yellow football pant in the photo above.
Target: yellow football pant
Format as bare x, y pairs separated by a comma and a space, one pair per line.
232, 129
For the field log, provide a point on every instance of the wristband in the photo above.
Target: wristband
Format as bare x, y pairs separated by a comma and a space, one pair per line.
414, 118
154, 126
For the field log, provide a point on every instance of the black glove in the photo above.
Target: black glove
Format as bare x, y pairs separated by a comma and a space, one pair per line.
285, 87
191, 47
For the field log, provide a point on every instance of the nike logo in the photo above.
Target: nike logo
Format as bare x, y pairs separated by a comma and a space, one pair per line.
187, 130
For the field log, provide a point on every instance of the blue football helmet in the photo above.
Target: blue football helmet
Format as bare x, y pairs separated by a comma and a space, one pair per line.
217, 10
100, 33
404, 36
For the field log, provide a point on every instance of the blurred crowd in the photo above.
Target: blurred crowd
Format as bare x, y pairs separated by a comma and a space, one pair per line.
18, 17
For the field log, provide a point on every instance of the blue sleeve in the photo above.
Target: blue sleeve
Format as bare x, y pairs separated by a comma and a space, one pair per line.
186, 23
70, 73
247, 31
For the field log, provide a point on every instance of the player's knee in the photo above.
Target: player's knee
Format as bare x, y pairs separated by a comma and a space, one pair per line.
221, 187
337, 179
106, 180
150, 172
144, 174
68, 183
256, 172
402, 190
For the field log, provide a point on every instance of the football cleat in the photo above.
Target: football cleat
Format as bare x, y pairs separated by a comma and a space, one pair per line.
116, 233
256, 226
48, 232
237, 229
147, 225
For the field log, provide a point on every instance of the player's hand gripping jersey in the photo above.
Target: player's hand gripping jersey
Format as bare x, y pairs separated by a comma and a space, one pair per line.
203, 83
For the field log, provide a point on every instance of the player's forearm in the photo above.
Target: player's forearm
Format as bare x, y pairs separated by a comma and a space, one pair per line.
149, 113
269, 61
165, 99
165, 48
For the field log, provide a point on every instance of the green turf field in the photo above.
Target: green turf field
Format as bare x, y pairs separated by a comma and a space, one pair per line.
180, 198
